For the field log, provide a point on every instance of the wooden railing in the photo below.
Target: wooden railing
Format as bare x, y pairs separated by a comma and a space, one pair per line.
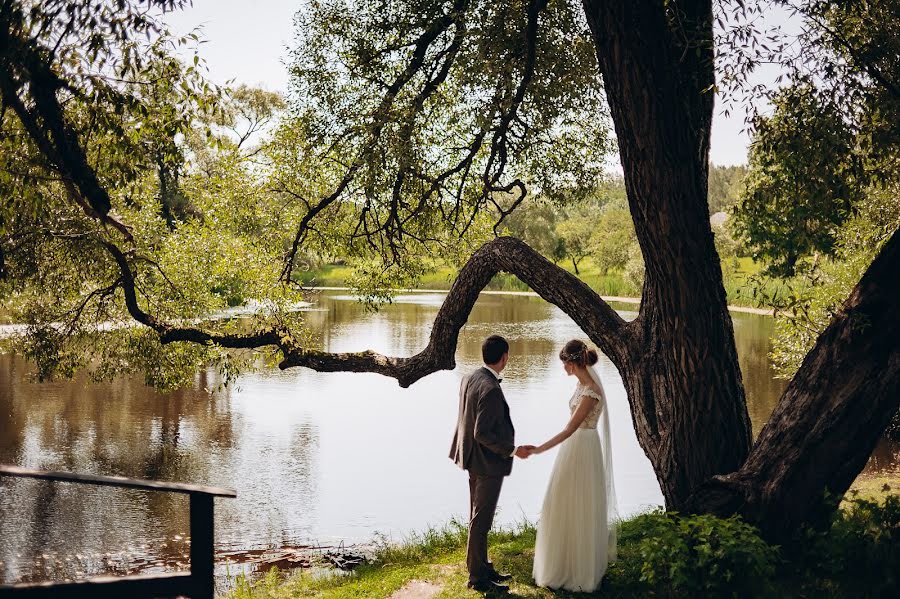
198, 583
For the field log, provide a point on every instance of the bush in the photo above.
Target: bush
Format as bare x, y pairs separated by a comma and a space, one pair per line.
860, 551
702, 556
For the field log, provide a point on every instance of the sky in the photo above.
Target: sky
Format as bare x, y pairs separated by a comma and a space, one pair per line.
248, 43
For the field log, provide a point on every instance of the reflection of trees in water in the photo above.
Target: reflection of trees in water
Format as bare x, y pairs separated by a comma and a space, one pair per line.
411, 322
752, 337
279, 506
128, 429
122, 428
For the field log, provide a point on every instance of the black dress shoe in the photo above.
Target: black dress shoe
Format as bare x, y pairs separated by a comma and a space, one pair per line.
498, 577
488, 586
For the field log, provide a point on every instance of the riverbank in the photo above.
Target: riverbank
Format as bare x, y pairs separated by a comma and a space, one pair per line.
606, 298
659, 555
612, 286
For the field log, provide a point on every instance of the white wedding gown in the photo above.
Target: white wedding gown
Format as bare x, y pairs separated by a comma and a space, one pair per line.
576, 534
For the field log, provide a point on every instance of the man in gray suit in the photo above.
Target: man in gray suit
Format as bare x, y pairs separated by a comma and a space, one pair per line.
484, 445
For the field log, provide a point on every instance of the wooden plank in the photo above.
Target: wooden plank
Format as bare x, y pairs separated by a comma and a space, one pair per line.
116, 481
105, 587
202, 547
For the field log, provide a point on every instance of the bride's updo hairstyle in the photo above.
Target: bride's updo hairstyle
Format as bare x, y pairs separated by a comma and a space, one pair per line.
578, 353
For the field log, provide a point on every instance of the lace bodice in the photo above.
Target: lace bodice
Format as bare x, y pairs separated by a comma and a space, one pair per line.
592, 418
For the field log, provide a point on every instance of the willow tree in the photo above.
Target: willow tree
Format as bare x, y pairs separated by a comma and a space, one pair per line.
417, 124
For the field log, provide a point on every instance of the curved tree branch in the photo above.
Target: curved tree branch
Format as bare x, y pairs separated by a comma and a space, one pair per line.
507, 254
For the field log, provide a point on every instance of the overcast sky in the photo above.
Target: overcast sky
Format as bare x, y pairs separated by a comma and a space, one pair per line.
248, 43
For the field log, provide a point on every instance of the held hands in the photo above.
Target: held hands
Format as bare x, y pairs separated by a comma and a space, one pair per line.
524, 451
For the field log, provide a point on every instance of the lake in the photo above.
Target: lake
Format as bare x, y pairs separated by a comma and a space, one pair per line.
316, 459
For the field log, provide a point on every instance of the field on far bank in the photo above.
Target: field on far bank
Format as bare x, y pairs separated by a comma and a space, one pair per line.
610, 284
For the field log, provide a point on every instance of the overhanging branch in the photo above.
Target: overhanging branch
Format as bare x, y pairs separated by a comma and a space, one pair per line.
505, 254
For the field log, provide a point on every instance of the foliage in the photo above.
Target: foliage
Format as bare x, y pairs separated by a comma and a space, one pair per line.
576, 229
803, 180
861, 544
614, 239
822, 192
167, 152
819, 292
855, 557
727, 248
684, 556
413, 125
725, 183
833, 132
417, 140
535, 223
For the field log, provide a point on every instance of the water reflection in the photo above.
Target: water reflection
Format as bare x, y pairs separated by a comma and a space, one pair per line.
315, 458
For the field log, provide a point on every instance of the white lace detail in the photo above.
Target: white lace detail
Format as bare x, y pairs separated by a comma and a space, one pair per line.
592, 418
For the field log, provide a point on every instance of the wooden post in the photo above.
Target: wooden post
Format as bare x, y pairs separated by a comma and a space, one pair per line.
202, 546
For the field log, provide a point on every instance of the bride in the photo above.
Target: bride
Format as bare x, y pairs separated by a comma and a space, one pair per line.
576, 534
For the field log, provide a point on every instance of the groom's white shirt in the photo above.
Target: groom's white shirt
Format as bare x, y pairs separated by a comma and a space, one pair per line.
497, 376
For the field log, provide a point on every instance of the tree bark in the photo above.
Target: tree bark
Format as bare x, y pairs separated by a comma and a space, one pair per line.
683, 379
831, 415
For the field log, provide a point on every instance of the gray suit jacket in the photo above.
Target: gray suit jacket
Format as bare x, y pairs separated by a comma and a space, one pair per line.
484, 439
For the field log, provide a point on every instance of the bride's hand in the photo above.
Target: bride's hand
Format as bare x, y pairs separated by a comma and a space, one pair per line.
531, 449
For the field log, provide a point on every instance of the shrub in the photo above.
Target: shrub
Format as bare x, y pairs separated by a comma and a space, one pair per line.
694, 556
859, 551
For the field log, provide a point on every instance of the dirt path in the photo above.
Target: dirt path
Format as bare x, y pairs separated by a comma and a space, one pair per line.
417, 589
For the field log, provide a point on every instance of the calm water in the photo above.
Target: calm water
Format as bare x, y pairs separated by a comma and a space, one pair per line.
315, 458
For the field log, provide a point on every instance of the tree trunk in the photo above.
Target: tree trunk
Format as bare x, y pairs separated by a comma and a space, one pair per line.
683, 379
832, 414
575, 264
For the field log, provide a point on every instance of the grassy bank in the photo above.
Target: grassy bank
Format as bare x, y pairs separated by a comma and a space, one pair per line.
660, 555
613, 283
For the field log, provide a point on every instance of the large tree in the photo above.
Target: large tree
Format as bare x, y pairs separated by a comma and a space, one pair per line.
412, 123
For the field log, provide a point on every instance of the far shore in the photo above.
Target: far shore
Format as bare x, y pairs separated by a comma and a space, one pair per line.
7, 329
606, 298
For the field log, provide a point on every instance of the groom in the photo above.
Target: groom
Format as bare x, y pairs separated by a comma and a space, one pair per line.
483, 445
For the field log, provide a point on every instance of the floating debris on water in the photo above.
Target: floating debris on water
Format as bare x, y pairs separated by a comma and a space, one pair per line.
344, 560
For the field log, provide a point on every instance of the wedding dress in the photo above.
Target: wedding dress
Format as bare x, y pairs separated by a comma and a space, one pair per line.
576, 534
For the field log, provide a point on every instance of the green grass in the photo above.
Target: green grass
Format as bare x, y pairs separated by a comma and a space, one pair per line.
874, 486
606, 284
817, 566
441, 277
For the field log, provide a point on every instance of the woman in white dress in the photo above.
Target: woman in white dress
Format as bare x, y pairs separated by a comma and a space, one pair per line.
576, 534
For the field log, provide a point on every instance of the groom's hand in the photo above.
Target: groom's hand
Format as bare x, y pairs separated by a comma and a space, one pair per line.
523, 451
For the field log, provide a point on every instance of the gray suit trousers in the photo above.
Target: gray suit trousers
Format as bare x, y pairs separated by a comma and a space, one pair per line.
484, 491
